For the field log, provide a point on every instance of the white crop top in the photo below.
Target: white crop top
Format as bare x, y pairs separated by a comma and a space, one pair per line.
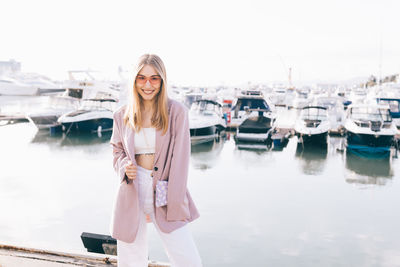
145, 141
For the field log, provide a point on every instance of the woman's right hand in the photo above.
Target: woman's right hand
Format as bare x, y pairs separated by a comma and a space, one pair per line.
130, 171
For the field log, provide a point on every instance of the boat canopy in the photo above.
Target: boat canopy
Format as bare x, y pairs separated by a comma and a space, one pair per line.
251, 103
314, 113
394, 105
370, 113
98, 104
205, 106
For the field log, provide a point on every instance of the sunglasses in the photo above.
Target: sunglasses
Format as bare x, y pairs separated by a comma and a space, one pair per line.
154, 80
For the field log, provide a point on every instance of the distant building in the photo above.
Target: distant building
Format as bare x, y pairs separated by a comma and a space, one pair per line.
10, 66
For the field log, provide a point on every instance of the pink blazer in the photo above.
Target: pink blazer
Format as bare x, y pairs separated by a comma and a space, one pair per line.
171, 163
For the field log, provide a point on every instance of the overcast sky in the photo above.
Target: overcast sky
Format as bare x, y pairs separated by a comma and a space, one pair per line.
206, 42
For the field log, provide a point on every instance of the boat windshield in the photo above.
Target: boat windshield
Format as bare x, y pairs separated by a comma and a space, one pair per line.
204, 107
314, 114
327, 102
191, 98
302, 95
251, 103
97, 105
370, 114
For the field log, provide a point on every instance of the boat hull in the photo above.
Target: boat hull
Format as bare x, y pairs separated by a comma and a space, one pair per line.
203, 134
254, 129
94, 125
366, 145
252, 137
369, 139
319, 138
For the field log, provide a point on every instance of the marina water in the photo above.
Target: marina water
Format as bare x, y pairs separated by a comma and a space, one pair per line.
259, 207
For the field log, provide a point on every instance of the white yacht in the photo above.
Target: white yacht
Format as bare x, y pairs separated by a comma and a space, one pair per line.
313, 125
256, 128
13, 87
44, 85
370, 129
248, 104
27, 84
94, 115
91, 84
206, 121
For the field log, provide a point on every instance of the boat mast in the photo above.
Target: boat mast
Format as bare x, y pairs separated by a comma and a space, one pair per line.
290, 79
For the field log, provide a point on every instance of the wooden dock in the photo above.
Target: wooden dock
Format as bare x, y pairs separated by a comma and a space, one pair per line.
12, 256
10, 119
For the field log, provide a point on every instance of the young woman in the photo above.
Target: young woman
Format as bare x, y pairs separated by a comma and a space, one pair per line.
151, 144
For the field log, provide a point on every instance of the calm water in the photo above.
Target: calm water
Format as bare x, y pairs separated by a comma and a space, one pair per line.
258, 207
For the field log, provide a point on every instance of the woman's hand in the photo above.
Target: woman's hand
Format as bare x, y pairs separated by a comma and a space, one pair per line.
130, 171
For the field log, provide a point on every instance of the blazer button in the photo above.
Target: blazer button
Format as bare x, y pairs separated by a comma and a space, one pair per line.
156, 168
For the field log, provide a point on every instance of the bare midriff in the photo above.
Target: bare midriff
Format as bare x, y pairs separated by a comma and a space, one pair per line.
145, 160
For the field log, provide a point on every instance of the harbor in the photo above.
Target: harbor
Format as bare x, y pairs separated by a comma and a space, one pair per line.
298, 204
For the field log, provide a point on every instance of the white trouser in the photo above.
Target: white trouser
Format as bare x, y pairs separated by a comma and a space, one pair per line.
179, 244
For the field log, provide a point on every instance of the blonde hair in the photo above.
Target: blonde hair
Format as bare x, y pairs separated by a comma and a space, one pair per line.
133, 112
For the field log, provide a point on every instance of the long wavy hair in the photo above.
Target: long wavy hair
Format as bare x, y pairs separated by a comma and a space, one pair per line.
133, 112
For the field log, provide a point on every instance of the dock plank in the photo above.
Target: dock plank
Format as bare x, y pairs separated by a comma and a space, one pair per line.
12, 256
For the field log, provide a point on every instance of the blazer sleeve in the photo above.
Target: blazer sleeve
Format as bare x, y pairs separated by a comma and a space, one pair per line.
120, 159
177, 207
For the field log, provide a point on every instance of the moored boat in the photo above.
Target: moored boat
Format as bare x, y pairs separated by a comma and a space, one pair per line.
313, 125
370, 130
247, 104
256, 128
206, 121
94, 115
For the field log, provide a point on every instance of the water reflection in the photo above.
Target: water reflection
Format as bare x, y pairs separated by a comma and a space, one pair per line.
206, 155
312, 158
72, 139
44, 137
366, 170
85, 139
253, 145
336, 144
279, 144
259, 148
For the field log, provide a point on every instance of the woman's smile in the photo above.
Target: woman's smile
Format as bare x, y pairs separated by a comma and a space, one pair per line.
148, 91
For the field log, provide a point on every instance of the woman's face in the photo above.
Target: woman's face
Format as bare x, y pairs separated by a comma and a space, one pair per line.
148, 83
